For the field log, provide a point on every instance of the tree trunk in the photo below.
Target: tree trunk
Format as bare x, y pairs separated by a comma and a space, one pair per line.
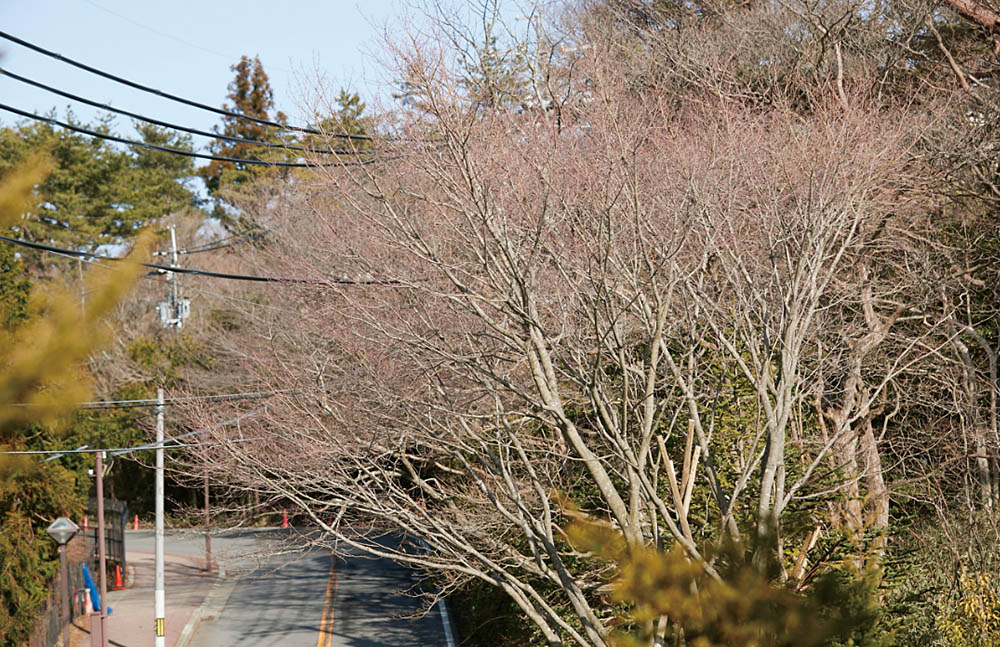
977, 13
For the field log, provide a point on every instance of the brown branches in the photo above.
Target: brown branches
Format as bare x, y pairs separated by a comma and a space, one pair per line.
982, 15
682, 309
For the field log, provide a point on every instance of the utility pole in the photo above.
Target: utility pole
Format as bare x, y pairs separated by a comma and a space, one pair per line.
176, 308
208, 529
170, 317
159, 601
171, 277
101, 552
173, 312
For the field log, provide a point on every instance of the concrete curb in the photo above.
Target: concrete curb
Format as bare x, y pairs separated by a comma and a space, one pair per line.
211, 606
446, 620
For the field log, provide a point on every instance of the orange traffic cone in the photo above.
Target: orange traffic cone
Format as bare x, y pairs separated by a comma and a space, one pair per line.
135, 523
119, 585
284, 518
88, 604
84, 522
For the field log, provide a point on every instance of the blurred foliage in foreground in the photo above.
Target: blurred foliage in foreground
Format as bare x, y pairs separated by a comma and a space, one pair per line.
45, 340
669, 594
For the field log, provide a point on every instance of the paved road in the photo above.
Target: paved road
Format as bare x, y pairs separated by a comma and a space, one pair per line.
304, 598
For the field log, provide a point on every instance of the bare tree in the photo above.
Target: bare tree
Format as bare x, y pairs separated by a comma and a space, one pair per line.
672, 314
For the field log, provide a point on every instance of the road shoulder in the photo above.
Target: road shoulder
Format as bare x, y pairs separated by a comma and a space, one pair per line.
213, 606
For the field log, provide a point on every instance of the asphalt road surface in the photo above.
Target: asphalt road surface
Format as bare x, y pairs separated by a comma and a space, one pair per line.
306, 598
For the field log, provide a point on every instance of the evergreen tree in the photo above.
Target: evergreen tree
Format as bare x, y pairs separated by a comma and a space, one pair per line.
98, 192
348, 119
15, 287
44, 339
495, 79
249, 94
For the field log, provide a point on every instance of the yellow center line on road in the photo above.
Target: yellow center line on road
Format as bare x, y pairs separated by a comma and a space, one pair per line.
325, 637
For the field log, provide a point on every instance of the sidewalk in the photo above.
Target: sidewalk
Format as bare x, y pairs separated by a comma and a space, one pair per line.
131, 622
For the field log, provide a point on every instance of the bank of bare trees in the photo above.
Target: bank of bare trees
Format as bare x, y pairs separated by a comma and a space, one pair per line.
703, 307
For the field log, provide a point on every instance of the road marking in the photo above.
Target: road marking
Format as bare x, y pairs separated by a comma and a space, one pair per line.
325, 637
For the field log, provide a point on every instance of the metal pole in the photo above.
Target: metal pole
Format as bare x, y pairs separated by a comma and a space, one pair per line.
208, 536
101, 552
174, 293
83, 287
63, 568
173, 246
159, 601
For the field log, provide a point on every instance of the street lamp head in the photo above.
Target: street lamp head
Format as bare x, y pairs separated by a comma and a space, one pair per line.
62, 530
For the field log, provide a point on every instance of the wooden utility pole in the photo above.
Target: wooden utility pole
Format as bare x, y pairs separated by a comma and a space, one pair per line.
97, 629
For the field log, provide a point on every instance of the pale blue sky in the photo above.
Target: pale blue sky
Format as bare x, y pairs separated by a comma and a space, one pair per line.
186, 47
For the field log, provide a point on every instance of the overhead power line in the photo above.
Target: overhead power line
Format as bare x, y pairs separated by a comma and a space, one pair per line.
173, 97
152, 275
165, 268
175, 439
165, 443
53, 454
185, 270
187, 43
152, 402
167, 124
175, 151
210, 247
248, 232
242, 234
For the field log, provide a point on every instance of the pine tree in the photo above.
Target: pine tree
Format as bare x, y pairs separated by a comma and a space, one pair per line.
249, 94
44, 339
347, 119
97, 192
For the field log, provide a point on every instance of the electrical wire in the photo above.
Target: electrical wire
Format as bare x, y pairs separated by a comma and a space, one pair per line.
227, 57
174, 439
186, 270
286, 311
54, 454
186, 129
242, 234
162, 268
173, 97
175, 151
167, 402
151, 276
118, 451
150, 402
203, 443
213, 247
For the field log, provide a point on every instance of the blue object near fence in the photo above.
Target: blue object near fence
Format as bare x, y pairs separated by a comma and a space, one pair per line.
88, 582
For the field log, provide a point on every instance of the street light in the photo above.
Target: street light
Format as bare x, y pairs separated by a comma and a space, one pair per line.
62, 530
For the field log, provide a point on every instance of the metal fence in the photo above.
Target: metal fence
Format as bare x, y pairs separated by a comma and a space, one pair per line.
48, 628
115, 522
